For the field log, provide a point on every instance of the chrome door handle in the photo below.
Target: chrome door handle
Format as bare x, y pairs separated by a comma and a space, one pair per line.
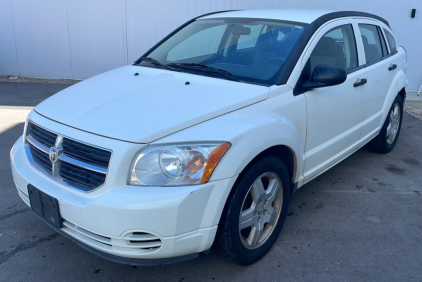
359, 83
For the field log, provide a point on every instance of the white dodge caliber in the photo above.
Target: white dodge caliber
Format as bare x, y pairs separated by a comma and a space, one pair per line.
204, 138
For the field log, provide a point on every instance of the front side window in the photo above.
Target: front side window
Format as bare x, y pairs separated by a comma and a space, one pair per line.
242, 49
391, 41
336, 48
371, 42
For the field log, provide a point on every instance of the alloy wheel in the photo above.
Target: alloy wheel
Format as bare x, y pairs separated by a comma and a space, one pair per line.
394, 122
260, 210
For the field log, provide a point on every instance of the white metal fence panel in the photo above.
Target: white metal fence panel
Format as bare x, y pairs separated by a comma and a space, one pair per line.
42, 39
8, 60
97, 36
78, 39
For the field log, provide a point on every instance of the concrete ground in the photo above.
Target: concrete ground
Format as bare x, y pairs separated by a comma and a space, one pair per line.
414, 108
360, 221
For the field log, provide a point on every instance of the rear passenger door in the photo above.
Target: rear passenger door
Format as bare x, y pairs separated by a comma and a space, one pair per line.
380, 70
334, 114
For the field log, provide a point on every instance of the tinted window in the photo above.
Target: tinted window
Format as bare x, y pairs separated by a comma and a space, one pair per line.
384, 47
198, 44
248, 50
249, 40
391, 41
336, 48
371, 42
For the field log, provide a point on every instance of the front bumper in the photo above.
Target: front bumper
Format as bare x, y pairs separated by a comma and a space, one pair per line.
183, 219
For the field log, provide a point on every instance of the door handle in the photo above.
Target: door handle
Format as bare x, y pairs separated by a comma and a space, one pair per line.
359, 83
392, 67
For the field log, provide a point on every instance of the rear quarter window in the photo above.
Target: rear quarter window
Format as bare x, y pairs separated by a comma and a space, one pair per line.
391, 41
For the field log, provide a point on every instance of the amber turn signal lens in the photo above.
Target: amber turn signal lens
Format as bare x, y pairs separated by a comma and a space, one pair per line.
213, 160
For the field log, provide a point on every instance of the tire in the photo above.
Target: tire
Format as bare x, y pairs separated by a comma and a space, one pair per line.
385, 141
264, 206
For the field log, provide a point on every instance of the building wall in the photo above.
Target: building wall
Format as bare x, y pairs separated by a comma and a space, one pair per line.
82, 38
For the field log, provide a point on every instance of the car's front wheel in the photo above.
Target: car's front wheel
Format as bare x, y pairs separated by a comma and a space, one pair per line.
255, 213
387, 138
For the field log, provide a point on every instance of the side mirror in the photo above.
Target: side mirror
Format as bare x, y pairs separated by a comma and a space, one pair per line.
325, 75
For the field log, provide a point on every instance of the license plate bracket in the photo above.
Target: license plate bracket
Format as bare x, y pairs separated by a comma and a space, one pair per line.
45, 206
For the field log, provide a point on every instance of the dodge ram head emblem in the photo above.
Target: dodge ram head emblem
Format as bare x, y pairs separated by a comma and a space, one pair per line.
54, 154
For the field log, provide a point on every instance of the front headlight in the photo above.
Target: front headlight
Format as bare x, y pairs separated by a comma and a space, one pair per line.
176, 164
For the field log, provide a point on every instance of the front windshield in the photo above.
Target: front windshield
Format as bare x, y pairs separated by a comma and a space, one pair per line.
247, 50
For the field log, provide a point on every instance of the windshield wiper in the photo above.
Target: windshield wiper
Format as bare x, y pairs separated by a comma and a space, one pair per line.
156, 63
205, 68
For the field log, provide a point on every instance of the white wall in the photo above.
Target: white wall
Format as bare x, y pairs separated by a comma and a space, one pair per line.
79, 39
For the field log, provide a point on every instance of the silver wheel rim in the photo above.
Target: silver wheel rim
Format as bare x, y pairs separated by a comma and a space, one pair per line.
260, 210
393, 124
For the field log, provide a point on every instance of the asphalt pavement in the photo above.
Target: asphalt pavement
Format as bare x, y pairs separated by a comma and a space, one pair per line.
359, 221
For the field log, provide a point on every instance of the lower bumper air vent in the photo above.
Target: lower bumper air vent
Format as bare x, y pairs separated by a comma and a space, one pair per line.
132, 243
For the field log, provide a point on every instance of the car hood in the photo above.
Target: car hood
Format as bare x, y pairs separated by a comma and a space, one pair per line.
141, 104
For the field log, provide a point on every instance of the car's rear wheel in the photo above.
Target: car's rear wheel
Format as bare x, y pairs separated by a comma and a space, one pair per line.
255, 212
387, 138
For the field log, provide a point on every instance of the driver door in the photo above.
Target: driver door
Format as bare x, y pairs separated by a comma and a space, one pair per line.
334, 114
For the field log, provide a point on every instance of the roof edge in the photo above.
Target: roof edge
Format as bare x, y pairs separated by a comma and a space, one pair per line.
340, 14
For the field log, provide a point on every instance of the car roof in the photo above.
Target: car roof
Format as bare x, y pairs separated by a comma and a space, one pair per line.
308, 16
295, 15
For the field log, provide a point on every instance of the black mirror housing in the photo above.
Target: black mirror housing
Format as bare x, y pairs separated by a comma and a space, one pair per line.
325, 75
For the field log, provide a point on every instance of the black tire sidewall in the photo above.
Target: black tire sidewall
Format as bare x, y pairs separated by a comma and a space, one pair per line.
384, 146
233, 245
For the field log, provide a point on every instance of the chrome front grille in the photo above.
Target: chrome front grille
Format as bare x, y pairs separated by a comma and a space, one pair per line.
77, 174
77, 164
86, 153
45, 137
40, 157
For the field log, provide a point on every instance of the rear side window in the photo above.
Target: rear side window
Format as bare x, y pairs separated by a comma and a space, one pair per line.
391, 41
336, 48
371, 42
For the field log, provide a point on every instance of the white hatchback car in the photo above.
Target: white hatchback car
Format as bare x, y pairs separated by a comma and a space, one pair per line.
205, 137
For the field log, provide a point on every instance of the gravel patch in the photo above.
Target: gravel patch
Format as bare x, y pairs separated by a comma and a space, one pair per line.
14, 79
414, 108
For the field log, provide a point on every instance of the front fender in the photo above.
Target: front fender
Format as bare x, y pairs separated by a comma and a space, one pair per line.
262, 132
252, 130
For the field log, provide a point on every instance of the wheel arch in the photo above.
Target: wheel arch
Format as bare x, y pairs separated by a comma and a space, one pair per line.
285, 153
402, 93
397, 88
282, 151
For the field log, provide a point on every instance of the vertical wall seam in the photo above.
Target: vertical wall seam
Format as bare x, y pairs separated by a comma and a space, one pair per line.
14, 39
125, 39
68, 38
